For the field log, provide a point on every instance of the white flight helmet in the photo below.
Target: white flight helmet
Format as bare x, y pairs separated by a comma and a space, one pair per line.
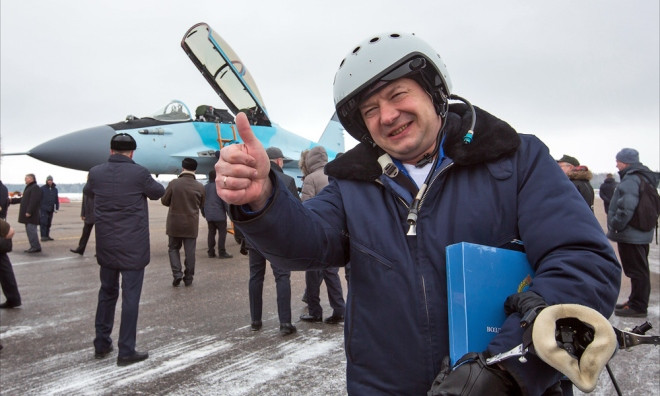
380, 60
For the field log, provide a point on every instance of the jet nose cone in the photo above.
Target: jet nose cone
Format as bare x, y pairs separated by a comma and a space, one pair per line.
79, 150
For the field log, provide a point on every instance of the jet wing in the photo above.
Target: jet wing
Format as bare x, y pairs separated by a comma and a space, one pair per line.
224, 70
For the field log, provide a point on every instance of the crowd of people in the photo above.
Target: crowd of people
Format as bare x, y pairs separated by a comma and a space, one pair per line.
620, 201
426, 174
122, 242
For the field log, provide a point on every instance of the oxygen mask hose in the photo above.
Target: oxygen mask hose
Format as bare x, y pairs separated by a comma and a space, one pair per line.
467, 139
469, 135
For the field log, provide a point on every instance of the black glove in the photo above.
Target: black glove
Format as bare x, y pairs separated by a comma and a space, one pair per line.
523, 302
472, 376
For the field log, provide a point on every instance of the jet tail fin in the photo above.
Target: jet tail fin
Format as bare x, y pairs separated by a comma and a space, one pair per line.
333, 135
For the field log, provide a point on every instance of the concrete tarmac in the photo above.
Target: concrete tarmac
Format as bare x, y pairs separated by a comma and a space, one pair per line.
198, 337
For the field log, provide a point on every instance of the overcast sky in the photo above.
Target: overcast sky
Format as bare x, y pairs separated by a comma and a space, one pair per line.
583, 75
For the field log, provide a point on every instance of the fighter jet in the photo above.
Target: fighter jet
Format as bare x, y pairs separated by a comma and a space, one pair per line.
173, 132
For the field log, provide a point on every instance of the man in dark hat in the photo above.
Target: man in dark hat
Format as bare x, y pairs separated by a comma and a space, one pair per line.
566, 161
632, 243
580, 175
184, 196
120, 189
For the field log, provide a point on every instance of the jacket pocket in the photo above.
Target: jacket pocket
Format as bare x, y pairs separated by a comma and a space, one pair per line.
369, 264
378, 258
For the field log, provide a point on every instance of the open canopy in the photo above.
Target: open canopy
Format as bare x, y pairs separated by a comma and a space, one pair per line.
224, 70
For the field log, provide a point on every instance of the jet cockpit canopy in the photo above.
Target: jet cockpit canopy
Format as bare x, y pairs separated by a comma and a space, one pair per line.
226, 73
174, 111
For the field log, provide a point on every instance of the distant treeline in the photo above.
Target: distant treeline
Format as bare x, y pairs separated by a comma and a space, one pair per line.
596, 181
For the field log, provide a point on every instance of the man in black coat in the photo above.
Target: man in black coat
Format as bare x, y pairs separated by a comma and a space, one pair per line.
606, 190
580, 175
120, 189
50, 203
28, 212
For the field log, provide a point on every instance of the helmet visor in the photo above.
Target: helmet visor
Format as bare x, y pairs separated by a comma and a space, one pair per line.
408, 68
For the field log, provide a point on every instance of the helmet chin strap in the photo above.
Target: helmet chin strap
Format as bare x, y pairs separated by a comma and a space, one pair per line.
427, 158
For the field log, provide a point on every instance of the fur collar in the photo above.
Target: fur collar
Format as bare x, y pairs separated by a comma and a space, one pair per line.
580, 173
187, 173
493, 138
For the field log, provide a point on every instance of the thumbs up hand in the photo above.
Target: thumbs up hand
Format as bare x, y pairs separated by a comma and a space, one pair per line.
242, 170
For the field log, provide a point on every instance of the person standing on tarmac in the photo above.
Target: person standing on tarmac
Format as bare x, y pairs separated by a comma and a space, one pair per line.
87, 216
580, 176
50, 203
426, 174
120, 189
257, 261
313, 182
28, 211
606, 191
632, 243
185, 197
215, 212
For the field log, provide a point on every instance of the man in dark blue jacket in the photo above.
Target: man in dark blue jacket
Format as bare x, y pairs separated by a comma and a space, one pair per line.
215, 213
50, 203
120, 189
425, 175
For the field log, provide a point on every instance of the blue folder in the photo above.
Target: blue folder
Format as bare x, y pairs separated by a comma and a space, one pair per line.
479, 279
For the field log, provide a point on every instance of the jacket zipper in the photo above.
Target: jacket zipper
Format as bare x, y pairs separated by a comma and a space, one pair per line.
407, 206
443, 170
